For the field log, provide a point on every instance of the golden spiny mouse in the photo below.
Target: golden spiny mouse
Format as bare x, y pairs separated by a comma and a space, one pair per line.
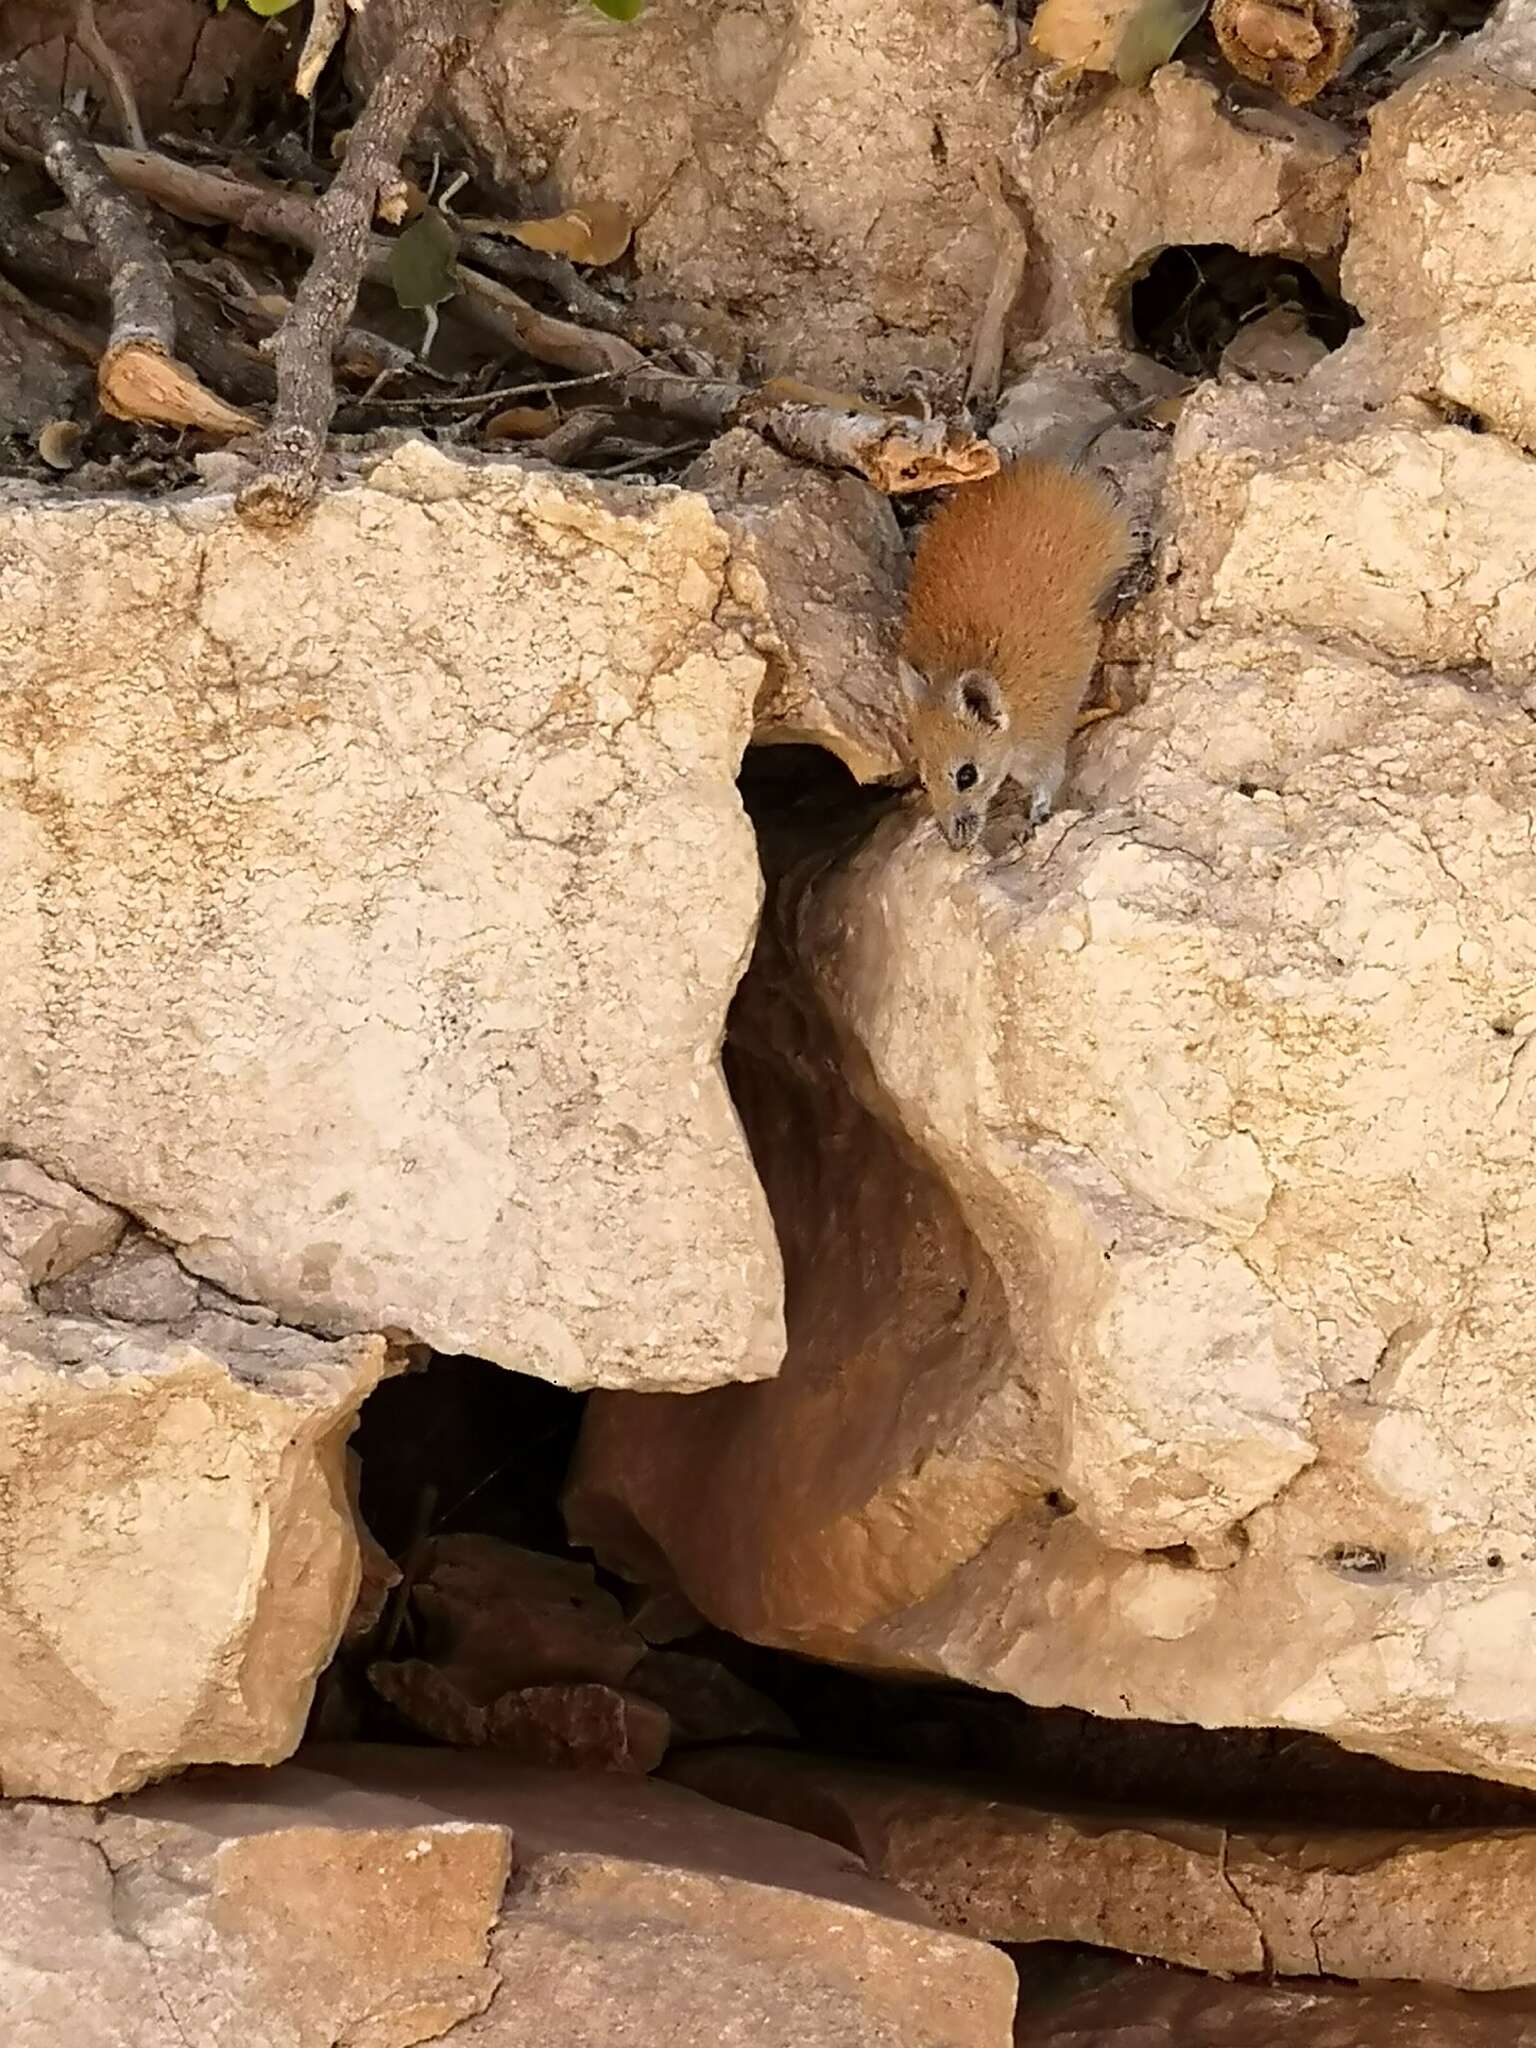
1001, 636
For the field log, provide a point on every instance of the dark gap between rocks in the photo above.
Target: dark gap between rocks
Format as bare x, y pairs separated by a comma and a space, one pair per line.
1192, 300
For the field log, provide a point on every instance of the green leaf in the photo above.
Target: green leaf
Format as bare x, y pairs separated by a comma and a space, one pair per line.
620, 10
422, 262
270, 7
1152, 35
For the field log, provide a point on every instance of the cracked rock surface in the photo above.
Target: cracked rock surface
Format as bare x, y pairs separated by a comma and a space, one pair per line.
1205, 1401
1368, 1904
385, 1898
177, 1558
409, 865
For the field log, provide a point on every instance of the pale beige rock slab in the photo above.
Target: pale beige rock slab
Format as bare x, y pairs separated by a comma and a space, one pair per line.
1410, 540
177, 1559
382, 1899
1147, 169
729, 131
372, 906
1221, 1419
1366, 1904
1437, 260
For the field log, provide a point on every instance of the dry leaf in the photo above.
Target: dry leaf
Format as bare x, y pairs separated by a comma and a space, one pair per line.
522, 423
1151, 36
423, 262
790, 391
137, 382
59, 444
597, 232
1292, 46
1081, 35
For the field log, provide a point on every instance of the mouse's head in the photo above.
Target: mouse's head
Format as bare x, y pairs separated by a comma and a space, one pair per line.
959, 734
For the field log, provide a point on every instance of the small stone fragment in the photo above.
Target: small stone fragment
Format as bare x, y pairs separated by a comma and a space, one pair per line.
140, 1281
49, 1227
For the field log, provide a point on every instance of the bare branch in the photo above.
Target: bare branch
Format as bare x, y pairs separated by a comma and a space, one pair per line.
138, 376
142, 309
91, 40
327, 20
423, 54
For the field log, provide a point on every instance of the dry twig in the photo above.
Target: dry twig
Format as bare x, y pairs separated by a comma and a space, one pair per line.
91, 40
424, 51
326, 21
894, 453
138, 376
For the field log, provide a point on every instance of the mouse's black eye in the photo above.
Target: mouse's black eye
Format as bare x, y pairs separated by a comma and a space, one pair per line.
965, 775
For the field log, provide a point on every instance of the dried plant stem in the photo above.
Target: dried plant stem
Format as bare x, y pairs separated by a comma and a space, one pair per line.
424, 51
91, 40
138, 376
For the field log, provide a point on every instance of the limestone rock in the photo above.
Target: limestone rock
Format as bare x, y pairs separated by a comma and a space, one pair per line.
1392, 533
1369, 1904
1150, 168
1434, 262
138, 1281
176, 1556
729, 134
48, 1227
500, 1616
817, 571
362, 1897
1166, 2009
396, 888
573, 1725
1166, 1355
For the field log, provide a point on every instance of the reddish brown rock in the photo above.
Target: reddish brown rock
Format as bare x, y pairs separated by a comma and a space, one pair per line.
1449, 1906
500, 1617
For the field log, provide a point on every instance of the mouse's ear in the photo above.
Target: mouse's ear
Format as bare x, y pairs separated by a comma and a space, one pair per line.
914, 686
979, 700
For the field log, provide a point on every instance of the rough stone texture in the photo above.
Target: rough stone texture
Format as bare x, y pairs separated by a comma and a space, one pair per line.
817, 569
176, 1556
137, 1281
371, 904
362, 1897
49, 1228
499, 1616
1407, 539
1444, 1908
1222, 1417
1437, 260
1163, 2009
567, 1726
729, 131
1146, 169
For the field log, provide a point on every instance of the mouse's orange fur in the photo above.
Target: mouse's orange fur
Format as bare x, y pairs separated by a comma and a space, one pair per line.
1007, 583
